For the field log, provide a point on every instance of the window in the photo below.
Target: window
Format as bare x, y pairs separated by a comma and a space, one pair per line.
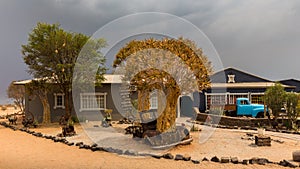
92, 101
218, 99
231, 78
59, 100
153, 100
234, 96
257, 98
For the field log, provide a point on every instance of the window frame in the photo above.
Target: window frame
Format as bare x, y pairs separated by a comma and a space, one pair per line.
154, 100
90, 103
62, 95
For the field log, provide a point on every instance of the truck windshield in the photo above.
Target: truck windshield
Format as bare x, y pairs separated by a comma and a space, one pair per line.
244, 102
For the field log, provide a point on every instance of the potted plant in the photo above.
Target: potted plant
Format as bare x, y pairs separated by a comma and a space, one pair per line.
107, 118
35, 124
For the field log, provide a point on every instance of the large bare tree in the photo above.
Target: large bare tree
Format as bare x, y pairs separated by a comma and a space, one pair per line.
171, 66
17, 93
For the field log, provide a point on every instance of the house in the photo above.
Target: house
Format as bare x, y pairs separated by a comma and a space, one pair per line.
232, 83
292, 82
227, 85
87, 105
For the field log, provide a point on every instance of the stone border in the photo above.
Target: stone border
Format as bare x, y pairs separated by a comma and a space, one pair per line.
177, 157
237, 123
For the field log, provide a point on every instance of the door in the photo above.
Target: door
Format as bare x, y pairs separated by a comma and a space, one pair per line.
244, 108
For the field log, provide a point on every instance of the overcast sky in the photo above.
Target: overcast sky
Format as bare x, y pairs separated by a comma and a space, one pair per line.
259, 36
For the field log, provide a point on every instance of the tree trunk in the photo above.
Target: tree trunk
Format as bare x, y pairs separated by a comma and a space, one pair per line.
46, 108
143, 100
67, 111
161, 102
166, 121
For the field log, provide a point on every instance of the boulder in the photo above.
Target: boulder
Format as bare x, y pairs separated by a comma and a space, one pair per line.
225, 159
196, 161
234, 160
156, 156
168, 156
296, 156
186, 157
215, 159
178, 157
245, 162
253, 160
291, 164
205, 159
79, 143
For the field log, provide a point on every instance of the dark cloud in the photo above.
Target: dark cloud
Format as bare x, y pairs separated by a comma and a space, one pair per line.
261, 37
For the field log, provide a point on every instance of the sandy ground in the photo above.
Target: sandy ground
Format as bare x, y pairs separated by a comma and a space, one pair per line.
221, 143
9, 110
21, 150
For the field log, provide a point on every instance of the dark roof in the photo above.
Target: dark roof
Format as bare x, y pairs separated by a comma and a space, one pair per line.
292, 82
240, 76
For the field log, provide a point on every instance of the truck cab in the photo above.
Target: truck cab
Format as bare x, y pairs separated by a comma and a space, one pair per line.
245, 108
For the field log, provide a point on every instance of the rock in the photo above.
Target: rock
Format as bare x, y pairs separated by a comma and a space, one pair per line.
262, 161
145, 154
156, 156
196, 161
234, 160
47, 137
81, 146
205, 159
186, 157
95, 148
79, 143
283, 163
178, 157
296, 156
39, 134
63, 140
55, 139
168, 156
70, 143
245, 162
291, 164
225, 159
86, 146
108, 149
119, 151
253, 160
215, 159
130, 153
94, 145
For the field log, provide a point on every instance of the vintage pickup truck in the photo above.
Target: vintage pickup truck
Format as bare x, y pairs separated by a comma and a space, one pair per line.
243, 107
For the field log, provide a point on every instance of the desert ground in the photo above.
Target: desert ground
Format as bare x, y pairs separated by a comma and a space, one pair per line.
22, 150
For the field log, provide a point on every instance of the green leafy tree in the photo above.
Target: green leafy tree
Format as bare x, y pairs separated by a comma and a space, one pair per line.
291, 108
275, 97
51, 54
17, 93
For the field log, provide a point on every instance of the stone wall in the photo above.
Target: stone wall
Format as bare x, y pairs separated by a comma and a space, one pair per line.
232, 121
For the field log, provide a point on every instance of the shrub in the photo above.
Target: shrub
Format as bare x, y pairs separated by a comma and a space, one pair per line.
3, 108
75, 119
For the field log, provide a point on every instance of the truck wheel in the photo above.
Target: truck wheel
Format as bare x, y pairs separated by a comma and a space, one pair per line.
233, 114
260, 115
